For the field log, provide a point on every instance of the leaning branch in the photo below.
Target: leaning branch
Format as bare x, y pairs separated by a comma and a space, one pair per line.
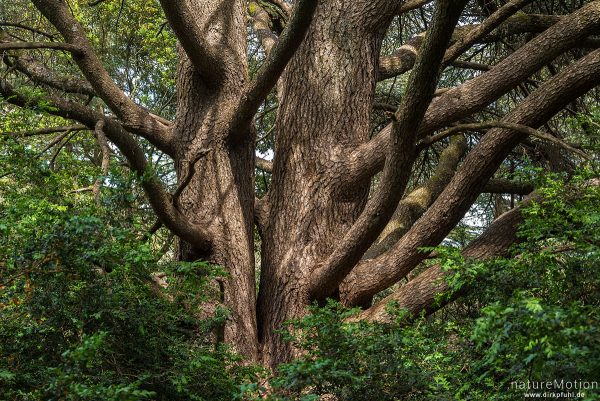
261, 24
422, 293
400, 155
190, 170
273, 67
481, 30
477, 93
481, 163
429, 291
416, 202
502, 124
134, 118
404, 58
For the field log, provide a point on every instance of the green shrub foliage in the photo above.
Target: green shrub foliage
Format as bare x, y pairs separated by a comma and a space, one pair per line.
81, 317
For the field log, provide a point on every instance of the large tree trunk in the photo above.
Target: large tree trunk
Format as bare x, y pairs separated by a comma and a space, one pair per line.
328, 89
221, 193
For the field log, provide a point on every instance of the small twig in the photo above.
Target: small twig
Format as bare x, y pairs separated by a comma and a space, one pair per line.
188, 175
28, 28
44, 131
105, 164
59, 148
40, 45
55, 141
500, 124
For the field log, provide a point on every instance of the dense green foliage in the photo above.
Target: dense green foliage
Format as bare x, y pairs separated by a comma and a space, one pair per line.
81, 317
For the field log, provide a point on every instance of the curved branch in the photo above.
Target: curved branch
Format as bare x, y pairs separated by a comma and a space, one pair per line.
416, 203
370, 277
134, 117
273, 67
160, 200
39, 73
400, 155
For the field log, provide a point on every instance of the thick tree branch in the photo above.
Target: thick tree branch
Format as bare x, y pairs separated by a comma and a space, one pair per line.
133, 117
422, 293
207, 60
400, 156
40, 74
481, 30
264, 164
404, 58
273, 67
41, 45
261, 24
409, 5
416, 203
370, 277
161, 201
477, 93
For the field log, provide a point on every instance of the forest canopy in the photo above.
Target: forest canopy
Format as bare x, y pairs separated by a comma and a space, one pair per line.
299, 200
